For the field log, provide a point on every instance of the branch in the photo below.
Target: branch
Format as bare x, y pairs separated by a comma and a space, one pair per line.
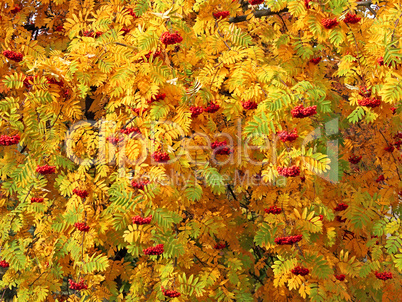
268, 12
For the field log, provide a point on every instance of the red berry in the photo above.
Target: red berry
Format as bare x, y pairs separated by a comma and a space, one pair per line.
341, 207
160, 157
287, 136
12, 55
369, 102
291, 171
221, 14
380, 178
389, 149
142, 220
221, 148
196, 111
351, 19
393, 109
114, 140
340, 277
171, 293
156, 98
4, 263
354, 159
315, 61
139, 185
249, 105
46, 169
37, 200
289, 240
329, 23
128, 131
6, 140
15, 10
125, 30
299, 270
55, 82
139, 110
77, 285
301, 112
168, 38
307, 4
88, 33
212, 108
59, 28
154, 250
383, 276
273, 210
321, 217
220, 246
131, 12
364, 92
80, 193
255, 2
82, 226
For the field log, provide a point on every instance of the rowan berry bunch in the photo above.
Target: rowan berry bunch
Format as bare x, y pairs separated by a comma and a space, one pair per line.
128, 131
77, 285
321, 217
354, 159
114, 140
369, 102
196, 111
15, 10
273, 210
289, 240
160, 157
380, 178
27, 81
307, 4
125, 30
4, 264
89, 33
156, 98
139, 110
81, 226
299, 270
249, 105
131, 12
220, 246
364, 92
288, 136
300, 111
329, 23
154, 250
59, 28
168, 38
255, 2
139, 185
55, 82
291, 171
37, 200
341, 207
142, 220
80, 193
156, 54
383, 276
389, 148
170, 293
393, 109
6, 140
351, 19
315, 61
221, 148
13, 56
212, 108
221, 14
46, 169
340, 277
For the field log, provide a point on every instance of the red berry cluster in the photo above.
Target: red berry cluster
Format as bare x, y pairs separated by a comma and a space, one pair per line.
196, 111
221, 148
222, 14
383, 276
37, 200
219, 246
139, 185
131, 12
92, 34
307, 4
299, 270
273, 210
168, 38
340, 277
288, 240
339, 218
125, 30
156, 54
156, 98
315, 61
139, 110
321, 217
364, 92
287, 136
128, 131
389, 148
154, 250
55, 82
27, 81
140, 220
354, 159
380, 178
212, 108
114, 140
292, 171
301, 112
329, 23
82, 226
4, 263
249, 105
341, 207
15, 10
369, 102
77, 285
393, 109
12, 55
171, 293
46, 169
255, 2
6, 140
59, 28
351, 18
161, 157
80, 193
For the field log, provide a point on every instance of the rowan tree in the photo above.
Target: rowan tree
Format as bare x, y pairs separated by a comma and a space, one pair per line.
200, 150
